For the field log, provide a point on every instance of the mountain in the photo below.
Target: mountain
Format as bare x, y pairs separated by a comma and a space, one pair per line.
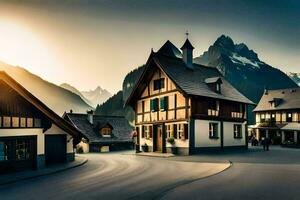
243, 69
55, 97
74, 90
238, 64
92, 97
295, 77
97, 96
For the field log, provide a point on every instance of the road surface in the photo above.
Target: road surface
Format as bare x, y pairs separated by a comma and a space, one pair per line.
255, 174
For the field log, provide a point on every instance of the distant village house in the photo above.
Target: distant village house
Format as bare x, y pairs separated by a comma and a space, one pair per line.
278, 116
101, 133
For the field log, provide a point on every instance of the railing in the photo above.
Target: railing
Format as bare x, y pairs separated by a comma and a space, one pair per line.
211, 112
236, 115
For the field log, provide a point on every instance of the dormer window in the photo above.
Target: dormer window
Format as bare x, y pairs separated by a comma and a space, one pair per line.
104, 128
214, 84
159, 84
106, 132
218, 88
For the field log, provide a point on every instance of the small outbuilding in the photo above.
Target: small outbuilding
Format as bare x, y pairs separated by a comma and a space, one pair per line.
101, 133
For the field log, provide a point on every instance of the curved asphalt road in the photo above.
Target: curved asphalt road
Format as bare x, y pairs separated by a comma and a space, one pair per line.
255, 174
113, 176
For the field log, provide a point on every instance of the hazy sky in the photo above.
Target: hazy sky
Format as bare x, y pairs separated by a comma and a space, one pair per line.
88, 43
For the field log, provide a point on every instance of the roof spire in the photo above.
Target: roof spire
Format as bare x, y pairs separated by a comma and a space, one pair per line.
187, 34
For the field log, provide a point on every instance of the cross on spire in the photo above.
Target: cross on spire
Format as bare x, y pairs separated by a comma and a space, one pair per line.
187, 34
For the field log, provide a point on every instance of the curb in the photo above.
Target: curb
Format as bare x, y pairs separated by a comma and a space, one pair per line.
84, 161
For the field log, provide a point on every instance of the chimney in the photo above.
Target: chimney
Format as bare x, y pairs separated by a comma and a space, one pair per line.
187, 50
266, 91
90, 114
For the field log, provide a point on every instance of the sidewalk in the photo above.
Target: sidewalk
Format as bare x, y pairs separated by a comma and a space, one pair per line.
20, 176
155, 154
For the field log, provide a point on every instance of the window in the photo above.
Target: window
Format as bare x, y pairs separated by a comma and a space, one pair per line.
30, 122
147, 132
163, 103
213, 109
289, 117
213, 130
182, 130
5, 147
262, 118
159, 84
237, 131
6, 121
169, 131
22, 122
15, 121
23, 148
218, 87
154, 105
273, 117
106, 132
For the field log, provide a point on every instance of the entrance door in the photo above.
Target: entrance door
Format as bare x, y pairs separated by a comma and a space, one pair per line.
159, 138
55, 148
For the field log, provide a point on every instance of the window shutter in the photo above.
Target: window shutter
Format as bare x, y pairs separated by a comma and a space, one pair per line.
156, 104
143, 131
186, 131
151, 105
150, 131
175, 131
162, 103
166, 100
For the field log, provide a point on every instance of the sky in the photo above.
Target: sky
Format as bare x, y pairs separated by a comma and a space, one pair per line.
87, 43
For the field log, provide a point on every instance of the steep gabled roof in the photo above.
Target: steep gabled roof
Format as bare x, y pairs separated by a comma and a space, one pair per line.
286, 99
189, 82
57, 120
121, 130
169, 49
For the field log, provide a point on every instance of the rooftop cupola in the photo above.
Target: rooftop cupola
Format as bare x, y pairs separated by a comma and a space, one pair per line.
187, 51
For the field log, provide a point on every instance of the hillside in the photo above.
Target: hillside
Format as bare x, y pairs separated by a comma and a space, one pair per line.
55, 97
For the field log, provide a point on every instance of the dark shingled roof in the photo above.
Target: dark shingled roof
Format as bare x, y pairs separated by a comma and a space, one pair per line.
169, 49
289, 99
192, 82
189, 81
121, 132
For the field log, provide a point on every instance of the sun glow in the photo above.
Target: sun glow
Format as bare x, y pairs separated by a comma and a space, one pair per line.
19, 45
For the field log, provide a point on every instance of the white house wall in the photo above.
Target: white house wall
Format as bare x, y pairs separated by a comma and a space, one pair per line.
202, 134
229, 139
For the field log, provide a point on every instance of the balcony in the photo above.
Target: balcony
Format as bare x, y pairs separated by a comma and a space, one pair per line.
236, 115
211, 112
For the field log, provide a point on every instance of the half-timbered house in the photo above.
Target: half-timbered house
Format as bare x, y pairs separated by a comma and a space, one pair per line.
31, 135
278, 116
190, 103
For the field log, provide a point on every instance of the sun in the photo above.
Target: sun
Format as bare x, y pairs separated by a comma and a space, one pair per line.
20, 45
